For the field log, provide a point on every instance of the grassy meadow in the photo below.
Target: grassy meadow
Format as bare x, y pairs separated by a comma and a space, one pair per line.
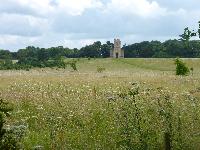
132, 104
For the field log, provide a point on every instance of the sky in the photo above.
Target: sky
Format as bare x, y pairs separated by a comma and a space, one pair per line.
76, 23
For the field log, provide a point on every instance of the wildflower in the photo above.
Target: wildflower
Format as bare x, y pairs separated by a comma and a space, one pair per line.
38, 147
40, 107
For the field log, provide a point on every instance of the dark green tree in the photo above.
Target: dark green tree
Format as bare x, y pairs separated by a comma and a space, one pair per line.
43, 55
5, 54
188, 34
181, 68
105, 49
93, 51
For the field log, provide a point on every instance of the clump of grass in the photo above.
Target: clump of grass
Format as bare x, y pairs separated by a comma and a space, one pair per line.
192, 70
100, 69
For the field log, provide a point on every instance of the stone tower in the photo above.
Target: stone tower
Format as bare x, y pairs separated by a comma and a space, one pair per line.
117, 52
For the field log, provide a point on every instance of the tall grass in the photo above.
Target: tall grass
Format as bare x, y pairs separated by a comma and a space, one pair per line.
111, 110
87, 117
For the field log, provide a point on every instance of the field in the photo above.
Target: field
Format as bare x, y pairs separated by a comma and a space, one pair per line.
132, 104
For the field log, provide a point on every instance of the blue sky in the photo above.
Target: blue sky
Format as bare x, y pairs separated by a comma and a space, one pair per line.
75, 23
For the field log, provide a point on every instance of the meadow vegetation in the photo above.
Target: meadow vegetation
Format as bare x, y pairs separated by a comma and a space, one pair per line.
106, 104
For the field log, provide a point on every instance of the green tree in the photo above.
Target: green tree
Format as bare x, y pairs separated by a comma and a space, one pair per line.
106, 48
5, 54
188, 34
181, 68
55, 52
175, 48
92, 51
43, 55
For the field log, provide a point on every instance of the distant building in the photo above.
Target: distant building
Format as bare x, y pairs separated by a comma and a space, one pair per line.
117, 52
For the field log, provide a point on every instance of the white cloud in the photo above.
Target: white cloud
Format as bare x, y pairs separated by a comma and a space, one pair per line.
46, 8
77, 7
75, 23
141, 8
40, 6
22, 25
14, 42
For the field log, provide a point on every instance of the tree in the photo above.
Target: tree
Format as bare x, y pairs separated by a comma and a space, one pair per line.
175, 48
106, 48
5, 54
131, 51
188, 34
55, 52
181, 68
146, 49
93, 50
43, 55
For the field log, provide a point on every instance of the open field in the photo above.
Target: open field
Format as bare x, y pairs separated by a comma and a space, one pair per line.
133, 104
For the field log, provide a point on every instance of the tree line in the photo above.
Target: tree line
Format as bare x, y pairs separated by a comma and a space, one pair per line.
145, 49
167, 49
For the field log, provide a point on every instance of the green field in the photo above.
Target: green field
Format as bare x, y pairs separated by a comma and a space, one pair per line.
133, 104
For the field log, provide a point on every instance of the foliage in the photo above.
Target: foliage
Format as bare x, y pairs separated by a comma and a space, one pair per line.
5, 54
27, 62
92, 51
100, 69
73, 64
167, 49
153, 49
51, 57
188, 34
181, 68
10, 138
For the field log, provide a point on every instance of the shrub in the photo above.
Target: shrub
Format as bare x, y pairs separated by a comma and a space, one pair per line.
57, 63
100, 69
10, 138
6, 64
73, 65
28, 63
181, 68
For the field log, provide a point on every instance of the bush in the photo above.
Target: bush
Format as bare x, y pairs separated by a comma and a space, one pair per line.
100, 69
73, 65
58, 63
10, 138
6, 64
28, 63
181, 68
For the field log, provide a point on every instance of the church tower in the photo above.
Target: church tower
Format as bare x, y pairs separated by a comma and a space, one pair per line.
117, 52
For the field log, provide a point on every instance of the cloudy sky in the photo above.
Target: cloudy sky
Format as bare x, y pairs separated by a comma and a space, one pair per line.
75, 23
